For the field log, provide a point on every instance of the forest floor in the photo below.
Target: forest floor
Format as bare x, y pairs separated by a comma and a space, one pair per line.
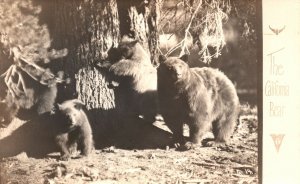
234, 163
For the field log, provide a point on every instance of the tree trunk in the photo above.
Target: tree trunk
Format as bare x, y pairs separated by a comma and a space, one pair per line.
139, 18
88, 29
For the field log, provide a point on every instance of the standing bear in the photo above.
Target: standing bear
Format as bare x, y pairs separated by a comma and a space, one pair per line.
203, 98
74, 128
137, 79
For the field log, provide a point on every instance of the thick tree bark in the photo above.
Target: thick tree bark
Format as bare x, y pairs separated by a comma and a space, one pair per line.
88, 29
139, 18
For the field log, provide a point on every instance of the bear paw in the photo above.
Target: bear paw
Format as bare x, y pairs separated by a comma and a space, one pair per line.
184, 147
214, 144
65, 157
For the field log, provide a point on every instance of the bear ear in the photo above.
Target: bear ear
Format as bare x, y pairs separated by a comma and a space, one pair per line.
78, 104
184, 58
162, 58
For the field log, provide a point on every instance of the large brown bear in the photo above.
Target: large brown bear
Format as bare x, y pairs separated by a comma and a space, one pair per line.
204, 98
137, 79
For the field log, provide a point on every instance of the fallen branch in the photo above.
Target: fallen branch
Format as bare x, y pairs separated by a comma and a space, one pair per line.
43, 76
15, 89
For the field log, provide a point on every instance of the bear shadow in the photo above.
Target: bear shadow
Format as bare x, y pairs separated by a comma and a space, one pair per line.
139, 134
126, 132
33, 137
121, 127
36, 137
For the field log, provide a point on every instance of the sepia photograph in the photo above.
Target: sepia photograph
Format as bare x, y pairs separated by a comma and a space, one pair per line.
131, 91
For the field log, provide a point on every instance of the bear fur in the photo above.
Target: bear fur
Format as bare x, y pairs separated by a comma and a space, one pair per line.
204, 98
64, 129
137, 78
75, 128
8, 111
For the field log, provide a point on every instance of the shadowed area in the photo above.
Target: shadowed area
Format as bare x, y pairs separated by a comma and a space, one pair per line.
37, 137
136, 133
34, 137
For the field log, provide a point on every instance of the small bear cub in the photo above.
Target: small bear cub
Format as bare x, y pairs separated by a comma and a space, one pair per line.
75, 128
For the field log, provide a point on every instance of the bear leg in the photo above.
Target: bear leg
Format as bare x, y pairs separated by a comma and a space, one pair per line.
62, 141
198, 129
222, 130
86, 141
176, 126
87, 146
72, 147
73, 137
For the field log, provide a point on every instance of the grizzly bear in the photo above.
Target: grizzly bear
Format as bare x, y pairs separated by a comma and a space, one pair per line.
204, 98
74, 128
137, 79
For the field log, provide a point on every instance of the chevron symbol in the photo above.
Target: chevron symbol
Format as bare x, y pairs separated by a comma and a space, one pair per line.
276, 30
277, 139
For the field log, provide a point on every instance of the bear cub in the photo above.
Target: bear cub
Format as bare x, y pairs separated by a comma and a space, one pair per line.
74, 127
203, 98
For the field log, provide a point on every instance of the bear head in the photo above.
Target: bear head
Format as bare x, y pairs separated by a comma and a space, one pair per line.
125, 50
128, 48
173, 67
133, 50
70, 112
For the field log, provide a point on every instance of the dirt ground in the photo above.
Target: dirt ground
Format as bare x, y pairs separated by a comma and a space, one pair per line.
235, 163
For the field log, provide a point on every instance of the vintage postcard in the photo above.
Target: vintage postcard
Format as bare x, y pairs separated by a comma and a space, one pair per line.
149, 91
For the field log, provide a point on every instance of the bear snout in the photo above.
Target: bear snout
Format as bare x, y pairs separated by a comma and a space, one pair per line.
65, 119
71, 119
176, 76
